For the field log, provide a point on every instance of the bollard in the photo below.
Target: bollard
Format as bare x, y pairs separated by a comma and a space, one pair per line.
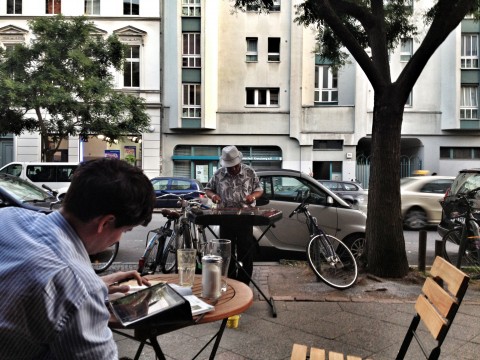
422, 249
438, 248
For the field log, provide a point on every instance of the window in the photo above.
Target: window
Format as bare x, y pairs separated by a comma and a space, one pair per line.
14, 6
326, 85
273, 49
191, 8
191, 50
262, 97
191, 101
292, 189
256, 6
131, 7
469, 55
409, 100
53, 6
252, 50
327, 144
469, 102
131, 72
253, 7
406, 49
466, 153
92, 7
276, 5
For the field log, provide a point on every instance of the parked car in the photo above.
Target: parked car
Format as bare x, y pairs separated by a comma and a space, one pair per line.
285, 189
467, 179
175, 185
350, 191
56, 175
21, 193
421, 197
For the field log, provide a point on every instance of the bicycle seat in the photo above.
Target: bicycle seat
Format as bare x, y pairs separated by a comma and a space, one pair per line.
170, 214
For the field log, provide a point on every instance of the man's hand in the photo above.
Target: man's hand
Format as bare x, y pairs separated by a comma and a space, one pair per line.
113, 281
250, 199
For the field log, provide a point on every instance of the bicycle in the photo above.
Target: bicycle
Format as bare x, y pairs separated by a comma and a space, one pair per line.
186, 235
178, 231
151, 260
461, 245
330, 259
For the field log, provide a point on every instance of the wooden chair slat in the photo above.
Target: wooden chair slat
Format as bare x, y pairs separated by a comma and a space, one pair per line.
299, 352
431, 318
335, 356
441, 299
317, 354
350, 357
455, 280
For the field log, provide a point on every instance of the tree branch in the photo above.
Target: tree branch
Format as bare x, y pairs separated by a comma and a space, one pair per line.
448, 16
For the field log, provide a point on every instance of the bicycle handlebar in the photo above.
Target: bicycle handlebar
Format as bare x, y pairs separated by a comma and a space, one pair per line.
182, 196
301, 207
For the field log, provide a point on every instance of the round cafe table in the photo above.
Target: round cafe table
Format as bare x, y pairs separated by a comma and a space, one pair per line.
237, 299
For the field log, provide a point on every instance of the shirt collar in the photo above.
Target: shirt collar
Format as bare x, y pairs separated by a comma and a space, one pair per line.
225, 171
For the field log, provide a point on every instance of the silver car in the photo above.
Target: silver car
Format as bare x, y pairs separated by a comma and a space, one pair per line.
285, 189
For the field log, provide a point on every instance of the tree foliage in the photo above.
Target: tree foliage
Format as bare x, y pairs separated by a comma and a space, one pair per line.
367, 30
61, 85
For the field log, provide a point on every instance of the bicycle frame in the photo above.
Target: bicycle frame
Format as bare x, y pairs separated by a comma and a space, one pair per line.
314, 230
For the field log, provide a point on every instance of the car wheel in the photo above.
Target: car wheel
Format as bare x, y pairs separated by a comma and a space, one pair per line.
415, 219
356, 244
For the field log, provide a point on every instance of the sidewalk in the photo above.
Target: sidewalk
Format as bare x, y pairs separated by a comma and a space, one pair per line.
368, 320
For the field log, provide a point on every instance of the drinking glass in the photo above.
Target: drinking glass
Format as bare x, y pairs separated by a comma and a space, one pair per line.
223, 248
186, 259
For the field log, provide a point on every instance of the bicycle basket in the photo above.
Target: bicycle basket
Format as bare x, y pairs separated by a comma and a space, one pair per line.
455, 208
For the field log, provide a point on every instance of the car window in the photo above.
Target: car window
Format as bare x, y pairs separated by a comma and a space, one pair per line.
160, 184
350, 187
465, 182
332, 186
23, 191
180, 184
436, 187
14, 169
292, 189
266, 183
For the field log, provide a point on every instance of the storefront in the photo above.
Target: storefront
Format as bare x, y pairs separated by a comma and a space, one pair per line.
202, 161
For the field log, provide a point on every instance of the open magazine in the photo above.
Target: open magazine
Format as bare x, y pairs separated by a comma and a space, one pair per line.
197, 305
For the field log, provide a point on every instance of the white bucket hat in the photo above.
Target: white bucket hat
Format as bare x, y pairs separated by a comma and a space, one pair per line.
230, 156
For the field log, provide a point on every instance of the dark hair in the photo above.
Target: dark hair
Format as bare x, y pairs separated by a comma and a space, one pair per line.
110, 186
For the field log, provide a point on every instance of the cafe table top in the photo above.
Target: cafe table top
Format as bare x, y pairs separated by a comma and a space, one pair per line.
237, 298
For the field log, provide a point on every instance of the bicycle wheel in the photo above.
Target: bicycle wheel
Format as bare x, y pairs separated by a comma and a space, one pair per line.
169, 254
151, 257
102, 260
332, 261
471, 258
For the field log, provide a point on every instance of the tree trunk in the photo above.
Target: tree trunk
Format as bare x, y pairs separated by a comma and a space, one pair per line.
386, 253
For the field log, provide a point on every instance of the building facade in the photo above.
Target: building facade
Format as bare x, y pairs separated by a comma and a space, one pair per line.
137, 24
214, 76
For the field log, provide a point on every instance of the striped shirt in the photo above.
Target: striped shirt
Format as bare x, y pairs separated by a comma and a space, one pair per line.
234, 189
52, 304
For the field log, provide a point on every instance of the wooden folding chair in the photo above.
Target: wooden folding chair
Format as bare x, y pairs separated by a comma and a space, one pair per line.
437, 306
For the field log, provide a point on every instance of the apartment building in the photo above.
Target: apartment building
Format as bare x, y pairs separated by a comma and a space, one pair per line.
215, 76
137, 24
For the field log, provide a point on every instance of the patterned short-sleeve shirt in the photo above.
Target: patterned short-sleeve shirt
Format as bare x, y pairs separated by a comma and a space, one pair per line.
234, 189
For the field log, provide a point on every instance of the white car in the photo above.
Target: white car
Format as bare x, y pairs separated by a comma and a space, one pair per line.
285, 190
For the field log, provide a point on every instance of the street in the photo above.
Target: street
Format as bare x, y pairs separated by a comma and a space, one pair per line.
133, 243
